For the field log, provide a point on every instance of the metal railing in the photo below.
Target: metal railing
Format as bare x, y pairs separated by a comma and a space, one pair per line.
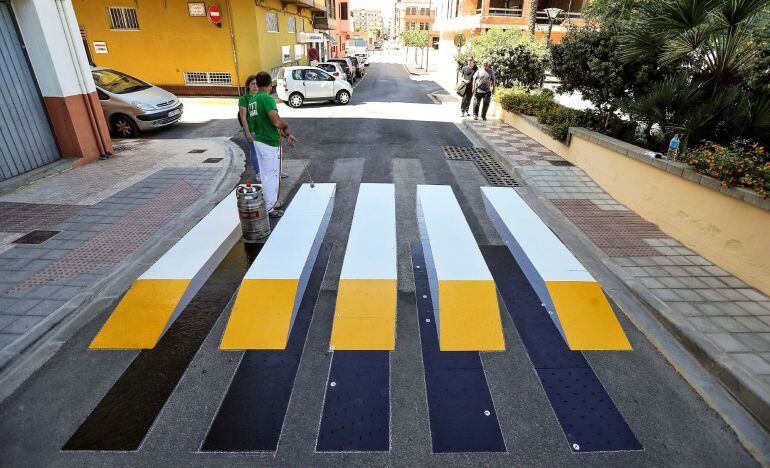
542, 16
510, 12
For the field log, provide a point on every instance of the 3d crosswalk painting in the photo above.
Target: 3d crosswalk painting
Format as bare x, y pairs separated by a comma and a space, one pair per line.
462, 293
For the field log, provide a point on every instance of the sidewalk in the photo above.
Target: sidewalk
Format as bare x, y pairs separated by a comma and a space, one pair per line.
73, 241
721, 320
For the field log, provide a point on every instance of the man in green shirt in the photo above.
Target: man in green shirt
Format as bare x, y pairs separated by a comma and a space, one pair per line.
268, 128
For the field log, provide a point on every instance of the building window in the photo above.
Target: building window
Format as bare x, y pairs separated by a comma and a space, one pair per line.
344, 11
291, 24
122, 18
207, 79
286, 53
272, 21
299, 51
302, 25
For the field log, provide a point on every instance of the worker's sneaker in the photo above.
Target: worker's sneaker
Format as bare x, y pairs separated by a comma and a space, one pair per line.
275, 214
284, 175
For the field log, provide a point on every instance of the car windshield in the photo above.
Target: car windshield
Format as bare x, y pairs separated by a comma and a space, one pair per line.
354, 60
343, 63
117, 82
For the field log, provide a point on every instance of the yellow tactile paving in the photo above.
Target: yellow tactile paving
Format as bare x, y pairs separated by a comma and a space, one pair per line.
261, 316
142, 315
470, 316
365, 316
586, 317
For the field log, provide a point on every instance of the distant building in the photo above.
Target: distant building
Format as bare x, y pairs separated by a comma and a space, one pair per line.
417, 14
471, 17
367, 20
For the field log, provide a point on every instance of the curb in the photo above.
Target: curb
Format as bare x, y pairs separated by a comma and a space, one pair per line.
735, 383
24, 357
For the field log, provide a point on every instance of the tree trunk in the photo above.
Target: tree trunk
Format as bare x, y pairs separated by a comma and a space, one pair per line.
532, 20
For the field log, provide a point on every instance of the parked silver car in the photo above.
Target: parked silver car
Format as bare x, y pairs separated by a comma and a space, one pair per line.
131, 105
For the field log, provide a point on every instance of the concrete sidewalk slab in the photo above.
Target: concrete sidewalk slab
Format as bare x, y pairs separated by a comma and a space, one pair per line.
718, 318
110, 219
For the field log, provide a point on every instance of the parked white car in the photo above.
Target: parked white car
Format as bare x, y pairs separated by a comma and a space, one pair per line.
295, 85
334, 69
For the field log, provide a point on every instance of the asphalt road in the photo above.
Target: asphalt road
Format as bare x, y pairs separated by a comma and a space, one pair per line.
390, 132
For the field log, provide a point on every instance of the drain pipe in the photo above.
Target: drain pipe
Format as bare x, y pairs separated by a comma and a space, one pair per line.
66, 27
232, 42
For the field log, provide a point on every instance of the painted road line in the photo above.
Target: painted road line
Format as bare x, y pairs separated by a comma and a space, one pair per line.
126, 413
271, 291
157, 298
464, 298
356, 411
589, 418
460, 408
365, 315
583, 315
252, 414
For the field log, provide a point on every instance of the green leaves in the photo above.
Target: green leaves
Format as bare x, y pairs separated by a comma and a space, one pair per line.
516, 58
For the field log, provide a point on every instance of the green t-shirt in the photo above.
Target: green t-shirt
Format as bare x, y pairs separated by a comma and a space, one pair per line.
244, 102
259, 122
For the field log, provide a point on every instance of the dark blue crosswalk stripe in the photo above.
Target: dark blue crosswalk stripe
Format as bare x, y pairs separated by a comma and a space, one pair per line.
589, 418
252, 414
356, 413
462, 414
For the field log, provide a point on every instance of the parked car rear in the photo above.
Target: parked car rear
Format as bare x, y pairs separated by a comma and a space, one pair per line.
334, 69
295, 85
346, 65
131, 105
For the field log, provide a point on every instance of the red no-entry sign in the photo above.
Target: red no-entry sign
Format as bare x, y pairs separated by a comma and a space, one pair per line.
214, 15
347, 36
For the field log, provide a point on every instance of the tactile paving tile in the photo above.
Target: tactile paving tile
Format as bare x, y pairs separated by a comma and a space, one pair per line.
460, 407
616, 233
492, 170
24, 217
252, 414
515, 145
356, 412
589, 418
114, 243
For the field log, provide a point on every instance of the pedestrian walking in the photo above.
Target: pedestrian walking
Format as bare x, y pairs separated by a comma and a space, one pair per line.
269, 127
466, 86
246, 125
483, 87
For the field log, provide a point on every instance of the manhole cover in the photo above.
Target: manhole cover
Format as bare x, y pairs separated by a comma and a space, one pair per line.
561, 163
490, 167
36, 237
196, 151
212, 160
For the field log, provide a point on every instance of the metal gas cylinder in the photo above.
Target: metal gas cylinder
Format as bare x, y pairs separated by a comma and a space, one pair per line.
255, 223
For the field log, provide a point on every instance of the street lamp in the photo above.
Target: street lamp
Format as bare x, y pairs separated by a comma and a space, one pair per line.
552, 13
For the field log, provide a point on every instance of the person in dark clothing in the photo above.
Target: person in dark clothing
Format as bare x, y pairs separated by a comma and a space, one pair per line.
466, 84
483, 87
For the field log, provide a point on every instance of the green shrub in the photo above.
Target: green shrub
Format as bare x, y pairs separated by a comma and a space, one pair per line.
516, 58
741, 163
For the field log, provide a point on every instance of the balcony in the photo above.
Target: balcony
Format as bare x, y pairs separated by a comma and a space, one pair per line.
507, 12
311, 4
323, 22
564, 16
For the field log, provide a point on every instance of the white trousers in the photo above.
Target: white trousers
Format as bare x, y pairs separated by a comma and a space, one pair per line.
269, 172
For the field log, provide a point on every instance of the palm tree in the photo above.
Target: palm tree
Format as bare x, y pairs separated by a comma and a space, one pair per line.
710, 44
532, 20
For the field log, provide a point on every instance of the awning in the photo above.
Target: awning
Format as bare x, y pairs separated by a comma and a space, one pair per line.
332, 39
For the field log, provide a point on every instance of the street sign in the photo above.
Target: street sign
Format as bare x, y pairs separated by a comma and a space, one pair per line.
347, 36
100, 47
196, 8
459, 40
214, 15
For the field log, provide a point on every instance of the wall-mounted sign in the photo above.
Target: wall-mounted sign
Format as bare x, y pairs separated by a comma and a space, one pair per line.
285, 54
100, 47
197, 9
311, 37
214, 15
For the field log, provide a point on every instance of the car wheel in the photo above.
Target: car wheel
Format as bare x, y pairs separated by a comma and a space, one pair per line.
296, 100
124, 127
343, 97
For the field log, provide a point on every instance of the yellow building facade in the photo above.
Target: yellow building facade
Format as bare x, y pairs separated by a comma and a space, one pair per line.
174, 44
